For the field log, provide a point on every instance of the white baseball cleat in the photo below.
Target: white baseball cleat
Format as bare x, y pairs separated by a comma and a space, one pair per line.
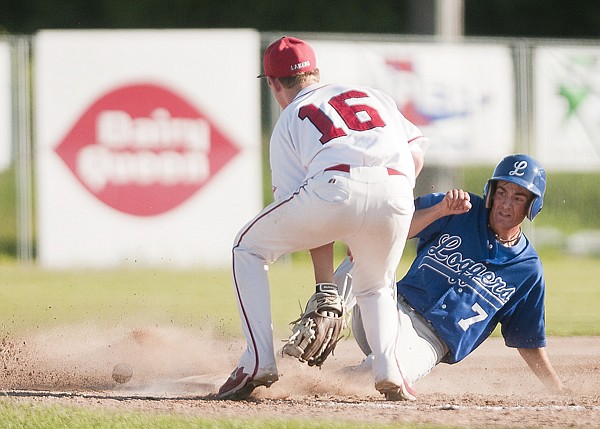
366, 366
240, 385
396, 392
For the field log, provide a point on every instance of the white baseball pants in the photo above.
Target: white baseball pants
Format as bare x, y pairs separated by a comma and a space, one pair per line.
418, 349
368, 208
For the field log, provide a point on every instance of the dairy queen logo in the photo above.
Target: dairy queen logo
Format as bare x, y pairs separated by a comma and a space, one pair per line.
144, 150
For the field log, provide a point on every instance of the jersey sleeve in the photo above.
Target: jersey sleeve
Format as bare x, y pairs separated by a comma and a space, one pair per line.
524, 327
413, 133
428, 200
414, 136
287, 172
433, 228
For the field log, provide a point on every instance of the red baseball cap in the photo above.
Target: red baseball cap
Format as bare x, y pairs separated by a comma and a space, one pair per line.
288, 56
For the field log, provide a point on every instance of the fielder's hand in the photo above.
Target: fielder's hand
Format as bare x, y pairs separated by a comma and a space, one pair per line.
316, 333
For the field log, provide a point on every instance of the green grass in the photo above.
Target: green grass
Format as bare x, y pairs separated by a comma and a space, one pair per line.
572, 295
23, 416
34, 298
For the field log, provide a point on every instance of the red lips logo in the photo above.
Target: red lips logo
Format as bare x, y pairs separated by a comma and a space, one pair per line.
144, 150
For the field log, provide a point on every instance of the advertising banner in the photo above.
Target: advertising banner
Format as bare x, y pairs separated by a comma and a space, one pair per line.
5, 106
148, 145
567, 107
460, 96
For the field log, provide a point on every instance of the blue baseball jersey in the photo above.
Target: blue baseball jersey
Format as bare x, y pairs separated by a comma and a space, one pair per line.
463, 282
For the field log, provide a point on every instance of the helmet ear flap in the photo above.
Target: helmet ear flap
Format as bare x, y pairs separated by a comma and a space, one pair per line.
488, 193
535, 207
538, 201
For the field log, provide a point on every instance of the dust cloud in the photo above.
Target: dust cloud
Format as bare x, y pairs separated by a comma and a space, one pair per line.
178, 362
166, 362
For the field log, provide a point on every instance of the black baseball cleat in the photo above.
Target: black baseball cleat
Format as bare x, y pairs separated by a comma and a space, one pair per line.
240, 385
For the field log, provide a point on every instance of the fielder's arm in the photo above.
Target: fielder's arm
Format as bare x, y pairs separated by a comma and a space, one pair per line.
418, 148
538, 362
322, 259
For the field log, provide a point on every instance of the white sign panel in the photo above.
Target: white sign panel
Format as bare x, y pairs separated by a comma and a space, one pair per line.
5, 106
148, 145
460, 96
567, 107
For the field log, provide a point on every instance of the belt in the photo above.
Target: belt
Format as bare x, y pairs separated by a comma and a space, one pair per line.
346, 168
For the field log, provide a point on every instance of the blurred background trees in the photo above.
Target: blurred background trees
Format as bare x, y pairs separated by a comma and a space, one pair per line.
513, 18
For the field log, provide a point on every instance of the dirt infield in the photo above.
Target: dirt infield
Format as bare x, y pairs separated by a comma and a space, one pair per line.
177, 371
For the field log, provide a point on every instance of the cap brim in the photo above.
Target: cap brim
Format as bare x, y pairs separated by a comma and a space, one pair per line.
260, 76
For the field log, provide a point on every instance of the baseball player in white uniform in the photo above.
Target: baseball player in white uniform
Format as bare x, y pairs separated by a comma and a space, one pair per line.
343, 163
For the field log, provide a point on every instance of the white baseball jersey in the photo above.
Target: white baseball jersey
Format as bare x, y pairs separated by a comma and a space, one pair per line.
342, 170
334, 124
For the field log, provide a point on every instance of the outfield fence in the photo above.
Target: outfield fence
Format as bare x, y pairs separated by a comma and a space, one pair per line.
477, 99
